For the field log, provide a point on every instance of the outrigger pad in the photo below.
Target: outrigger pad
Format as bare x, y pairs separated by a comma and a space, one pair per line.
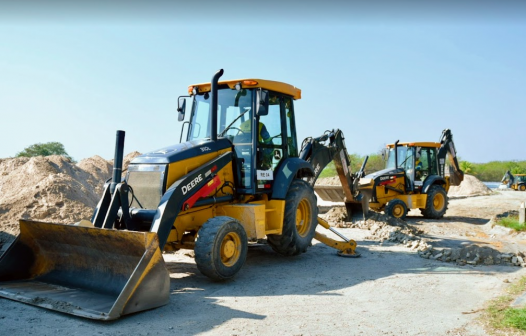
85, 271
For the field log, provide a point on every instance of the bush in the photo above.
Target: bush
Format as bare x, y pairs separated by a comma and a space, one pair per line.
44, 149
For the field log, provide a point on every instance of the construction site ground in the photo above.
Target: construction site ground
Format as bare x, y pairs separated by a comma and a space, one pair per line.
392, 289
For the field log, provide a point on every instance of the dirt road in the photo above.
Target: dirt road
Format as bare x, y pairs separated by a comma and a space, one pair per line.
389, 290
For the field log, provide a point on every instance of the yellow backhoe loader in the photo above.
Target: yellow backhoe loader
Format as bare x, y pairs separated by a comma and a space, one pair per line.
237, 178
414, 178
515, 182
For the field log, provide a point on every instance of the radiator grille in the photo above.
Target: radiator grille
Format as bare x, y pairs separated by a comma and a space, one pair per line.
147, 188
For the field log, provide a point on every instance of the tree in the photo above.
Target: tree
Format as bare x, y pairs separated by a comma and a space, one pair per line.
467, 167
44, 149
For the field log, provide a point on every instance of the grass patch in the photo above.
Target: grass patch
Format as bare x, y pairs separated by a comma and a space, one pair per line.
501, 317
512, 222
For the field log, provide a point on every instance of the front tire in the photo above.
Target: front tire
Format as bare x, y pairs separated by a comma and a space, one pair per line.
436, 203
221, 248
396, 208
522, 187
300, 220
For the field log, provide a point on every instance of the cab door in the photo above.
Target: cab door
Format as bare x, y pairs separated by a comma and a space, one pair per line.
276, 140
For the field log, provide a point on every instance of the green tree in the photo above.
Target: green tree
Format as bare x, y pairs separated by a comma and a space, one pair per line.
467, 167
44, 149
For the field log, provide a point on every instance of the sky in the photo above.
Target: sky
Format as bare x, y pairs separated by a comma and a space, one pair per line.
380, 71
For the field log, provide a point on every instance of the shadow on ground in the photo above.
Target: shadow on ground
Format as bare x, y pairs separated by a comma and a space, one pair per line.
201, 305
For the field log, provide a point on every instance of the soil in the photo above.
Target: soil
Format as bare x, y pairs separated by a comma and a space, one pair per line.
401, 284
51, 188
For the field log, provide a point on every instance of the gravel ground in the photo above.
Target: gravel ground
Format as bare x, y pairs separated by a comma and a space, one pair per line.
389, 290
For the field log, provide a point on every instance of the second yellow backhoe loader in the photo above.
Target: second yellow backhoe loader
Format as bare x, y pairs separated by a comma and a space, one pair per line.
515, 182
414, 178
236, 179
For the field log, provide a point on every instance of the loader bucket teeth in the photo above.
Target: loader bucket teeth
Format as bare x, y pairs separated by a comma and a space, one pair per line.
85, 271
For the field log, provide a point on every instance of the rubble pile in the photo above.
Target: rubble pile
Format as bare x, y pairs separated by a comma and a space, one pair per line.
474, 255
388, 229
385, 228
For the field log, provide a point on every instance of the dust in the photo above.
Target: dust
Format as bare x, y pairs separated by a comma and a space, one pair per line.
51, 188
470, 186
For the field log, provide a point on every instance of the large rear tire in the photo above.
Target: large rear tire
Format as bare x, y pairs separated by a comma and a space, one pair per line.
436, 204
299, 224
221, 248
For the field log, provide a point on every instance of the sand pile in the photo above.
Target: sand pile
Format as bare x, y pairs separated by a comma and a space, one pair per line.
470, 186
332, 181
51, 188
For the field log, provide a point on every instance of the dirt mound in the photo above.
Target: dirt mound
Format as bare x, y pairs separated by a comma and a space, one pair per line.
48, 188
336, 215
470, 186
99, 170
127, 159
51, 188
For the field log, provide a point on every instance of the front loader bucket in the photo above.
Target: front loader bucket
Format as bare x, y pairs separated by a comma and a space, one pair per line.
85, 271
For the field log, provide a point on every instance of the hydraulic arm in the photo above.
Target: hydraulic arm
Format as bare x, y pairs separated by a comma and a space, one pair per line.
329, 147
447, 146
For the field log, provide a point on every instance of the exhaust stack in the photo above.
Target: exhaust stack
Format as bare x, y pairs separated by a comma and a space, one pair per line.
213, 122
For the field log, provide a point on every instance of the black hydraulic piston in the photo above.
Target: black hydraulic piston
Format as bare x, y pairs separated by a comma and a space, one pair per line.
117, 162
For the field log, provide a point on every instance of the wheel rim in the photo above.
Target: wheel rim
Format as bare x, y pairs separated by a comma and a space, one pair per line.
523, 187
230, 249
438, 202
303, 217
398, 211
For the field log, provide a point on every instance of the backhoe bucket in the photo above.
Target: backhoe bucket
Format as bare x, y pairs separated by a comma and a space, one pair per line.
85, 271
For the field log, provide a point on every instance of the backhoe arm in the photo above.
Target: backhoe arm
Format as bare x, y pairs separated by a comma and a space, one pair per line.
447, 146
320, 153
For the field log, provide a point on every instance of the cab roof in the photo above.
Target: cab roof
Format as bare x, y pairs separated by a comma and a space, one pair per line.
251, 83
416, 144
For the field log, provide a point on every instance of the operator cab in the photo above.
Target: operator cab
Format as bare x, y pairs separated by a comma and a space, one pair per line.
257, 117
417, 160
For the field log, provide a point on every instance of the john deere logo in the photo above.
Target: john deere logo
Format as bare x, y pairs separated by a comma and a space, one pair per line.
192, 184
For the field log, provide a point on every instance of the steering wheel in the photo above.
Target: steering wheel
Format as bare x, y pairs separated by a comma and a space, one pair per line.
239, 131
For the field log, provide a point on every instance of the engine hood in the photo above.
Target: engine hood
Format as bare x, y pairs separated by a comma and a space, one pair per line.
182, 151
382, 172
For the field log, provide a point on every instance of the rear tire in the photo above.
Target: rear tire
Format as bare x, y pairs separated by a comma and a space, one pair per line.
299, 224
436, 203
522, 187
396, 208
221, 248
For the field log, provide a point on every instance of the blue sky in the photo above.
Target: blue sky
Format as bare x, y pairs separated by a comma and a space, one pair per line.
381, 74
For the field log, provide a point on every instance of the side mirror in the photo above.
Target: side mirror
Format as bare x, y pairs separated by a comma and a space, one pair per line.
181, 108
262, 102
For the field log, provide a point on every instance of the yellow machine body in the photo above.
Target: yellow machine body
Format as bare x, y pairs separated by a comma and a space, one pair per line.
191, 195
415, 178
